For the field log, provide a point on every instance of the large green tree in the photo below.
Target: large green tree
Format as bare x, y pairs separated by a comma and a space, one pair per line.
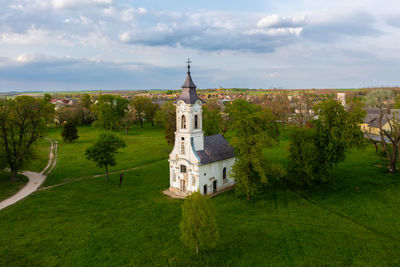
150, 111
212, 118
110, 111
198, 226
143, 105
22, 123
334, 132
303, 157
166, 116
104, 150
255, 129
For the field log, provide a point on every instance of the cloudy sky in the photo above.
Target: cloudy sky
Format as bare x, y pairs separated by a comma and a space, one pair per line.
143, 44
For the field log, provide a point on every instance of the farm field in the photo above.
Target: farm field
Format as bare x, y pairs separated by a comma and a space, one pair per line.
350, 221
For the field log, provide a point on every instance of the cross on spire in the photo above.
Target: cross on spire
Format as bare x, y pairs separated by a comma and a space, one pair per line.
188, 62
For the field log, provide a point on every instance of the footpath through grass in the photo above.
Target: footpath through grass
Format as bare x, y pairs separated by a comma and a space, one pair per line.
352, 221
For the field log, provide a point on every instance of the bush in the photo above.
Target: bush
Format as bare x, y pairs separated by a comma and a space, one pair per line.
69, 132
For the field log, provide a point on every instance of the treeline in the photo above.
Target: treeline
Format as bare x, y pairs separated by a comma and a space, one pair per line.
110, 112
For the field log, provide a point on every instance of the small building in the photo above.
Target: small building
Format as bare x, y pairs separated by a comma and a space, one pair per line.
197, 162
371, 123
341, 97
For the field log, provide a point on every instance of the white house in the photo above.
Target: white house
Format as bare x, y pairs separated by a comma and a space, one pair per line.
197, 163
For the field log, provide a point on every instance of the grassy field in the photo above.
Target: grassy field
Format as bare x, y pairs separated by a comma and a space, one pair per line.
351, 221
9, 188
42, 150
143, 147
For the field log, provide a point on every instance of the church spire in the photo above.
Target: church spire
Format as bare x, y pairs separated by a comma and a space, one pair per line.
188, 62
189, 95
189, 82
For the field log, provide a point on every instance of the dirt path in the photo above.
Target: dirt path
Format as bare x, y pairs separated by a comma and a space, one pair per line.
35, 179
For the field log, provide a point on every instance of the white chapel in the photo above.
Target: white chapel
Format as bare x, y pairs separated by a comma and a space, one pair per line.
197, 162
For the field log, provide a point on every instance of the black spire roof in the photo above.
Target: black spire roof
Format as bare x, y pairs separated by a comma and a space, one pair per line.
189, 95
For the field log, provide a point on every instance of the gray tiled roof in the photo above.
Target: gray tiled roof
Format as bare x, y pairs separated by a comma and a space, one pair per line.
373, 110
370, 117
216, 148
374, 122
189, 95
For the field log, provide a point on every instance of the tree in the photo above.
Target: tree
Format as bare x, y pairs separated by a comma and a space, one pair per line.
48, 108
198, 226
280, 106
303, 157
86, 101
166, 116
22, 123
47, 98
69, 132
335, 132
141, 104
390, 137
129, 119
255, 130
72, 114
212, 118
104, 150
110, 111
303, 108
150, 110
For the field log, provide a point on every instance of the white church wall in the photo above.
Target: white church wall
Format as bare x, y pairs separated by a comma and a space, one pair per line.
214, 171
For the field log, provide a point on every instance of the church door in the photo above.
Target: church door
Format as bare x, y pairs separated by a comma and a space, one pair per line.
205, 190
215, 186
183, 186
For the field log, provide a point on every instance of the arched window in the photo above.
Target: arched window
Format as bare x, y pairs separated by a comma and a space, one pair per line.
183, 148
196, 123
224, 173
183, 168
183, 122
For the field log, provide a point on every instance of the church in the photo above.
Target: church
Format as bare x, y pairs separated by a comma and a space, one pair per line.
197, 162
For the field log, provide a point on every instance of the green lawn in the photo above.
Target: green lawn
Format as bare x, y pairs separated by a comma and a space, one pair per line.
143, 146
42, 150
352, 221
9, 188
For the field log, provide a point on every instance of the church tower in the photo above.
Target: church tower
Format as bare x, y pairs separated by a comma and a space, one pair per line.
189, 115
197, 162
189, 138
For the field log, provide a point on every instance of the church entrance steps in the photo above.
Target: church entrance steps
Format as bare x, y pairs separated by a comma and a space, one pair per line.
176, 194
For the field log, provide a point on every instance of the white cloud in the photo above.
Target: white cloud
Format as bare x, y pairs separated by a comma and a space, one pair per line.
281, 21
24, 58
128, 14
124, 37
78, 20
32, 36
75, 3
276, 32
